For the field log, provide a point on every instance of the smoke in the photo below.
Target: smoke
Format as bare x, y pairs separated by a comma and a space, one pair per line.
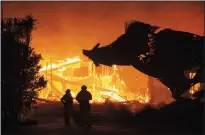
65, 28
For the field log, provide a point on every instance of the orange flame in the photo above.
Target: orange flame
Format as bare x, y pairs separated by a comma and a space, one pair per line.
61, 63
102, 86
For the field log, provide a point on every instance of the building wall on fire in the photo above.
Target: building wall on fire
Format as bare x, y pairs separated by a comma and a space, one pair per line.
135, 80
158, 91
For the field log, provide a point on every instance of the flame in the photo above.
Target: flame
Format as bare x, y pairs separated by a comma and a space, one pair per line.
61, 63
104, 86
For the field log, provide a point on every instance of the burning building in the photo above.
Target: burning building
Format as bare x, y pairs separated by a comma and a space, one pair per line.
103, 82
116, 83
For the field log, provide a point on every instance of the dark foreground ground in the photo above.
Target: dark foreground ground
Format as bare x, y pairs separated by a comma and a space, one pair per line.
47, 119
181, 117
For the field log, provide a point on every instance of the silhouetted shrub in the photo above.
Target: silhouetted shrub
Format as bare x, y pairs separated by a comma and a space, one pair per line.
21, 81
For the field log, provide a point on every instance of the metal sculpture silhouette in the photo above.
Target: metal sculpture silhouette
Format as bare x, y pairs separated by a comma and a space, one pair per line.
164, 54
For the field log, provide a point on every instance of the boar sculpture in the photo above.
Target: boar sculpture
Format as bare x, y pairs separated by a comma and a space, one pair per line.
165, 54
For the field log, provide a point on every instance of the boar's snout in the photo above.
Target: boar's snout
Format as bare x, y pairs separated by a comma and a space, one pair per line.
86, 53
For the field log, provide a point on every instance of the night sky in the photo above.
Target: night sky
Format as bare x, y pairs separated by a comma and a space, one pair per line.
65, 28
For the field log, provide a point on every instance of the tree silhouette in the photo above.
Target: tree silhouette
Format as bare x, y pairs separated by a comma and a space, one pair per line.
21, 81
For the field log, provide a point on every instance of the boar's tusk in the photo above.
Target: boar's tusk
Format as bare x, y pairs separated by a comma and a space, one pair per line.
96, 46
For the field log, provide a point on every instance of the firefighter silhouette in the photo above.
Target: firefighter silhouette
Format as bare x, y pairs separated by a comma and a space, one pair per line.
83, 98
67, 100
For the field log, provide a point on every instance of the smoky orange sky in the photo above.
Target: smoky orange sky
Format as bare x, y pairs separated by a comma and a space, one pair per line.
65, 28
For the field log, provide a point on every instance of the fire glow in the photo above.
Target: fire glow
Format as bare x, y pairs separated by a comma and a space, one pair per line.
61, 63
100, 85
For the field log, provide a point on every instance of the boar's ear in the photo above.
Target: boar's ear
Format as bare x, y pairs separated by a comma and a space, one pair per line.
96, 46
